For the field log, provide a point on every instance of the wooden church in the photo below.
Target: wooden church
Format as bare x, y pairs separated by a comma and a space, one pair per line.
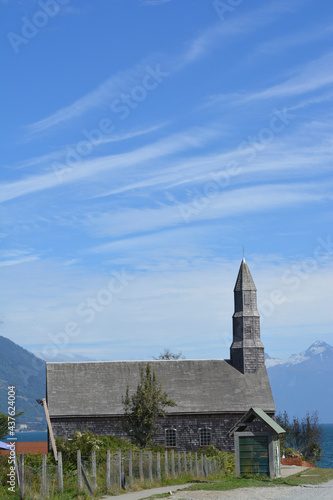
212, 395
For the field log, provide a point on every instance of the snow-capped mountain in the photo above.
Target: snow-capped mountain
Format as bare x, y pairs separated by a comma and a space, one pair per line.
317, 348
303, 382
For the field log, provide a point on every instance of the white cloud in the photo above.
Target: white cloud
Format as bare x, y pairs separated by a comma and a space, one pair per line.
127, 79
312, 76
15, 257
236, 23
100, 97
15, 262
287, 41
175, 143
269, 162
46, 159
153, 2
219, 205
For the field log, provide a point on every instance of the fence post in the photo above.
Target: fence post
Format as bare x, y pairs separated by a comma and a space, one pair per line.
173, 463
60, 472
191, 464
141, 466
159, 476
202, 464
166, 464
94, 486
205, 466
44, 477
179, 463
108, 470
185, 462
150, 464
130, 469
196, 465
79, 471
119, 469
21, 473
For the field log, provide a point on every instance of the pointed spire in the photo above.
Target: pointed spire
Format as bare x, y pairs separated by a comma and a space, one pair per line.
247, 350
244, 279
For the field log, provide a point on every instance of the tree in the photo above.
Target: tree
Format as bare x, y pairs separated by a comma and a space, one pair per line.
4, 426
303, 435
167, 354
144, 407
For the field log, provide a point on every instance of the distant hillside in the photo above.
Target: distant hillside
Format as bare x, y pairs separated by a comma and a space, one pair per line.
303, 382
27, 372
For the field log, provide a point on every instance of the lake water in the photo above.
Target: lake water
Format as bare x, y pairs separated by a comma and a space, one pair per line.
327, 453
27, 436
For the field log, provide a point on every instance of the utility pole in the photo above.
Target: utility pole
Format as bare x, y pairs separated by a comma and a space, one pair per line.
43, 403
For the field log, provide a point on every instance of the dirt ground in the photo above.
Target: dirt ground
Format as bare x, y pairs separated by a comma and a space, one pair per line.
320, 492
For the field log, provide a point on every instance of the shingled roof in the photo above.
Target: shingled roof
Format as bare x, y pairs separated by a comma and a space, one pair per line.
244, 279
197, 386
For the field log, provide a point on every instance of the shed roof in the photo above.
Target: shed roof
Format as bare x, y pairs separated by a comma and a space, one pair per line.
250, 416
197, 386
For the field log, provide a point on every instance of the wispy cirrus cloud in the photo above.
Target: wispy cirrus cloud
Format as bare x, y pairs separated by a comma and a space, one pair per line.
15, 262
287, 41
100, 97
312, 76
175, 143
122, 81
231, 203
44, 160
153, 2
268, 163
238, 23
16, 256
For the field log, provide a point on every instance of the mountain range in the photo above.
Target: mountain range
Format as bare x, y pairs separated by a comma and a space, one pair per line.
302, 383
22, 369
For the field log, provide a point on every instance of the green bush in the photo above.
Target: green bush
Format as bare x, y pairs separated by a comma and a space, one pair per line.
225, 461
87, 442
158, 448
304, 435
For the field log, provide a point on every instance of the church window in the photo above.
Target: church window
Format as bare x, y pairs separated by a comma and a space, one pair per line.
205, 436
171, 438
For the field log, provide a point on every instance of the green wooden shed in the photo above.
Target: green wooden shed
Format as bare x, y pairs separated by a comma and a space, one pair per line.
257, 444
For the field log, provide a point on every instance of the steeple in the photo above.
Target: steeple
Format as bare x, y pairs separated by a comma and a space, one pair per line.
244, 279
247, 350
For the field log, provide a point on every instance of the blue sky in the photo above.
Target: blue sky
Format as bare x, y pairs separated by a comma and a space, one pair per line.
144, 144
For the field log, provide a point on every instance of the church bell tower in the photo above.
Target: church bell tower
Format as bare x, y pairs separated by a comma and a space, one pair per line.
247, 350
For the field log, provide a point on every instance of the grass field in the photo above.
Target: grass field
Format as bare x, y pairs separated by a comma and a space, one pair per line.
309, 476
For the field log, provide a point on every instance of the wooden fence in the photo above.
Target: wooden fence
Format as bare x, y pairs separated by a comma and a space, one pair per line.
117, 471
